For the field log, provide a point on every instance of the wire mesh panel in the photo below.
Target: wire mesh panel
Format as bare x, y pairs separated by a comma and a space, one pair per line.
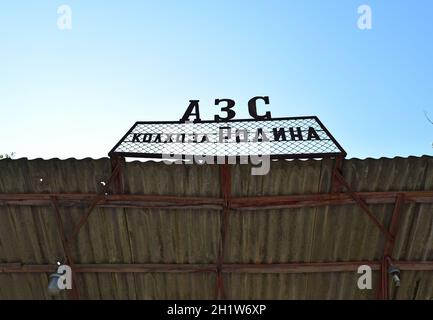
301, 137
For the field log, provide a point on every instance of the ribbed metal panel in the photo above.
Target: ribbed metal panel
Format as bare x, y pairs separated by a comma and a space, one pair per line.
319, 234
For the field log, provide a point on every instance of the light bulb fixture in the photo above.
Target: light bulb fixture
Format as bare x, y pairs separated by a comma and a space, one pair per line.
53, 287
395, 274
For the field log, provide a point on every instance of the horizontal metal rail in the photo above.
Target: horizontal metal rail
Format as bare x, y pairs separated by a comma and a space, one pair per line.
235, 203
294, 267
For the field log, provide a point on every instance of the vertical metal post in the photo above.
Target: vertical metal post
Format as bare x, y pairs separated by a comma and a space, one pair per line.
73, 294
335, 183
384, 290
119, 178
389, 248
225, 178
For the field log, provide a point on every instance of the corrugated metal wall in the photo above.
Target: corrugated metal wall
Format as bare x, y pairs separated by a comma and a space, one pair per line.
333, 233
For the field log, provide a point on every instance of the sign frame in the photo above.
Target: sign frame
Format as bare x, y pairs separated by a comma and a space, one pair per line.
322, 155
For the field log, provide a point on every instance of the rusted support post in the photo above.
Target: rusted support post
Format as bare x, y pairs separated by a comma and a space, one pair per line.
335, 184
394, 225
119, 178
363, 206
73, 294
225, 178
383, 292
93, 204
389, 247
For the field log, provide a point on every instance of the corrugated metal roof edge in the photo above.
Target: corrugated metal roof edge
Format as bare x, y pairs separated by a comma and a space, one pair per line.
157, 160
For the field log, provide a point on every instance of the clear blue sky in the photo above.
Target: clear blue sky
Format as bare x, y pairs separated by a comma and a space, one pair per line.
75, 93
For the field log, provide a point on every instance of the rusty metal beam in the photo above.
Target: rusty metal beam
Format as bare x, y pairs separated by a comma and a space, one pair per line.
335, 184
394, 225
93, 204
111, 268
363, 205
414, 266
119, 178
84, 217
302, 267
384, 280
320, 199
73, 294
237, 203
294, 267
111, 201
225, 181
389, 247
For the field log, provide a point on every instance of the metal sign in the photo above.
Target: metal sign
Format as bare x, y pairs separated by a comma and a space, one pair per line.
279, 138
